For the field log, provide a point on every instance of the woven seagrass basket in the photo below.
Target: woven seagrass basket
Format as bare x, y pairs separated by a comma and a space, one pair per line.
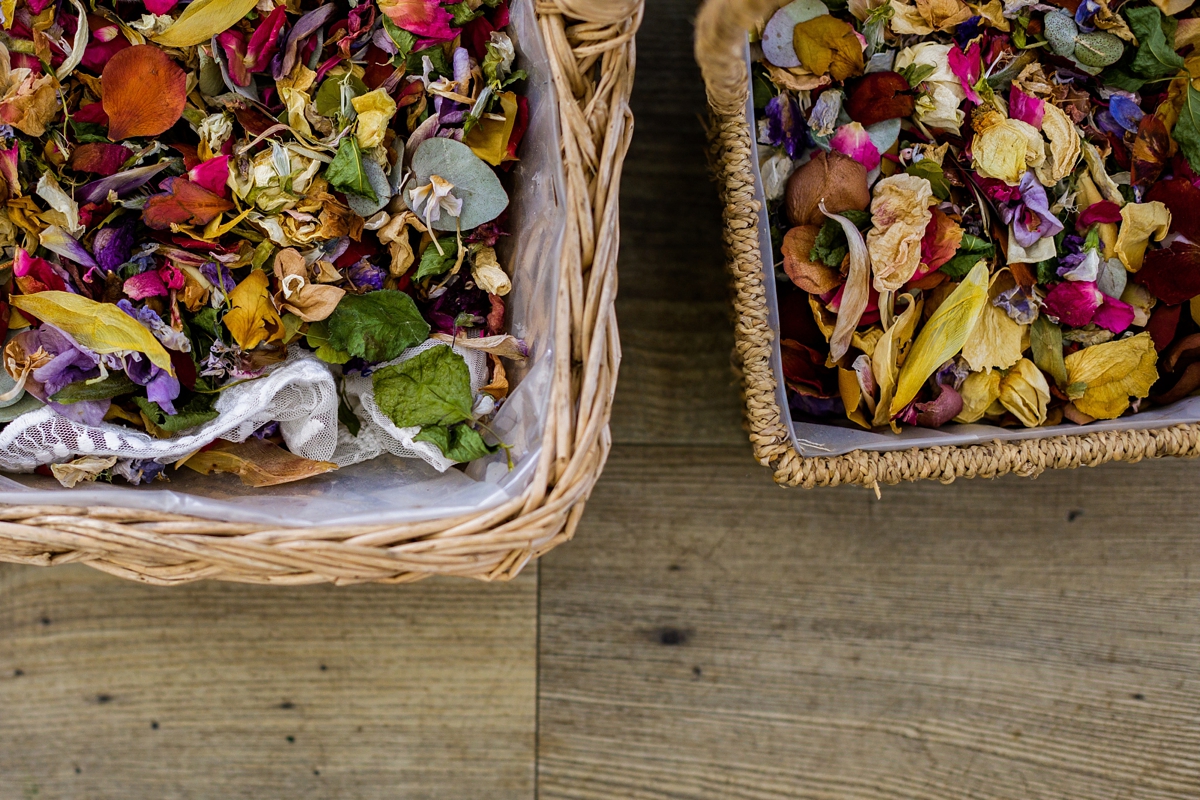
590, 44
721, 35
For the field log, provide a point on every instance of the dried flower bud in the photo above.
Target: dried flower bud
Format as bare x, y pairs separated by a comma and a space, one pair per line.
837, 179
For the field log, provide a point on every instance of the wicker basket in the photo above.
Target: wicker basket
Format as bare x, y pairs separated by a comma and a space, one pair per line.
721, 29
591, 51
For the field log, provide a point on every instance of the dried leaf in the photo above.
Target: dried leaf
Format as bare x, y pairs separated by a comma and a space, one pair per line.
202, 20
1064, 148
943, 335
81, 470
100, 327
310, 302
1111, 373
811, 276
132, 110
257, 462
184, 203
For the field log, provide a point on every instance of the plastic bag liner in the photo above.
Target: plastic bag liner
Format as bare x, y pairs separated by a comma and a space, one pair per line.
389, 489
839, 437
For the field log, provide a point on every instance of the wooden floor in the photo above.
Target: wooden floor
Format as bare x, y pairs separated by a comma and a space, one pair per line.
707, 635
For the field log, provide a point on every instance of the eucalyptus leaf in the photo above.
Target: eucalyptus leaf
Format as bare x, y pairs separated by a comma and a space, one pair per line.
24, 403
475, 183
378, 180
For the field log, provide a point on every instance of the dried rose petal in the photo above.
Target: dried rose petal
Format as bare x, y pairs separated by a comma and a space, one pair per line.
99, 158
134, 111
880, 96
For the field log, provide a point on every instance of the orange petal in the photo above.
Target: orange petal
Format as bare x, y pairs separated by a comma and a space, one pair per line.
144, 92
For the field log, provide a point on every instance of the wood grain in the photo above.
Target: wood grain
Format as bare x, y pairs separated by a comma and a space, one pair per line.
710, 635
110, 689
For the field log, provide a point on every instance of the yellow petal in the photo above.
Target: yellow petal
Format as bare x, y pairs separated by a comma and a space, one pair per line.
978, 392
1025, 393
489, 139
1140, 221
375, 110
203, 20
890, 352
996, 342
827, 45
293, 90
253, 320
1064, 146
943, 335
101, 327
852, 397
1004, 148
900, 212
1109, 374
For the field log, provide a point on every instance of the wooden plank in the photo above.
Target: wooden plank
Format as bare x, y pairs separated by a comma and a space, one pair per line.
110, 689
676, 385
710, 635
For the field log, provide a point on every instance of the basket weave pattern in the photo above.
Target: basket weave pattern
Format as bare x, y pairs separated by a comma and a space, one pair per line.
591, 49
720, 40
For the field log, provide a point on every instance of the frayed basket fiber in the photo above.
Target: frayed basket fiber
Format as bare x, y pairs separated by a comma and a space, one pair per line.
721, 30
590, 46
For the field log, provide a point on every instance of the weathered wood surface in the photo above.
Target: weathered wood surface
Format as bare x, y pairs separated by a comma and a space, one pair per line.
110, 689
709, 635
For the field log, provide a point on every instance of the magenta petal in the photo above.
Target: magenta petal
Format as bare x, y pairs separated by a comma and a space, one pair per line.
1026, 108
1074, 303
146, 284
234, 45
1114, 315
425, 18
1103, 211
940, 410
265, 41
160, 6
967, 67
852, 140
212, 175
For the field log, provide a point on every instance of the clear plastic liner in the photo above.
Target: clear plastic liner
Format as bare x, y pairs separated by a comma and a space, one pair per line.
841, 437
390, 489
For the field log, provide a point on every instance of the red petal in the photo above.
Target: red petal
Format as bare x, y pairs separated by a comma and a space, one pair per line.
1183, 200
880, 96
1171, 275
98, 158
144, 92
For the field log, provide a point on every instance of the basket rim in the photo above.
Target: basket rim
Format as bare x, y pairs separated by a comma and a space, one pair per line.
720, 48
591, 54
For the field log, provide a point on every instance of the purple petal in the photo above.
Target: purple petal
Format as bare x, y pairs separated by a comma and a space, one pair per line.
122, 183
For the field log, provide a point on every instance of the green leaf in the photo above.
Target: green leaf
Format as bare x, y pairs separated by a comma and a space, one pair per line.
115, 385
830, 246
196, 411
462, 13
329, 97
1046, 342
915, 74
437, 57
459, 443
318, 339
347, 417
1156, 56
377, 326
931, 171
403, 39
1121, 78
346, 172
1187, 128
89, 133
432, 388
435, 263
1047, 271
970, 250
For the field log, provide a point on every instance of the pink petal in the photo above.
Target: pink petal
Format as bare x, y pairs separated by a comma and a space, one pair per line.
160, 6
212, 175
968, 67
1074, 303
852, 140
146, 284
1026, 108
425, 18
234, 45
1114, 315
